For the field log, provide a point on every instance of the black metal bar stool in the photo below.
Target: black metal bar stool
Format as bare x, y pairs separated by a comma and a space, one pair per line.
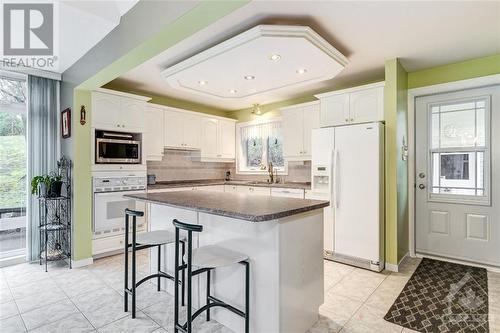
143, 241
206, 258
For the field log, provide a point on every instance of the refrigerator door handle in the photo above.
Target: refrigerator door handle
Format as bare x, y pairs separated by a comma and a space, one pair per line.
335, 178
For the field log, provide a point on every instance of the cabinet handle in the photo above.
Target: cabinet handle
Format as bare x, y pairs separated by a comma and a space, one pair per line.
352, 119
346, 120
117, 125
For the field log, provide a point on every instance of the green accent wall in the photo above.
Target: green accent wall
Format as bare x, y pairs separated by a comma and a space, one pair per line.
396, 170
82, 179
454, 72
78, 93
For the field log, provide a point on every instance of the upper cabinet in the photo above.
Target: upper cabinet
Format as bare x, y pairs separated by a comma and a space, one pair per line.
152, 138
173, 128
182, 129
118, 111
298, 122
217, 139
354, 105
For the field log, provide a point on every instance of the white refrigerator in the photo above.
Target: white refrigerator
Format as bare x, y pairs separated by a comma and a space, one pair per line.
348, 169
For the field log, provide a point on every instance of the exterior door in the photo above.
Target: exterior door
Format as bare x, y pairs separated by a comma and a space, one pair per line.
458, 175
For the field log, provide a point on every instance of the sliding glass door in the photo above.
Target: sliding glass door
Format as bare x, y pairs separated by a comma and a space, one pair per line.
13, 162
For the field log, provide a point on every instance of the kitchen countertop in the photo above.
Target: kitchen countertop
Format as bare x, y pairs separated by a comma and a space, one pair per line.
209, 182
254, 208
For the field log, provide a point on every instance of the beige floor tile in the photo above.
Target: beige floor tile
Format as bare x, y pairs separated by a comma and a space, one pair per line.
368, 319
407, 330
339, 308
386, 293
358, 285
140, 324
325, 325
12, 325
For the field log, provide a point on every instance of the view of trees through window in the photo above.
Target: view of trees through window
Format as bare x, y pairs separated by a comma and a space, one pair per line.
13, 154
256, 152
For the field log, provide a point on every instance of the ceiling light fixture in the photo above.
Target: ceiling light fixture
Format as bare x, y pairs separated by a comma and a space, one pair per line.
202, 82
249, 77
275, 57
256, 109
301, 70
233, 91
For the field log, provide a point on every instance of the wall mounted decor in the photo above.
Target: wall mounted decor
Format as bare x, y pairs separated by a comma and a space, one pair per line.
66, 123
83, 115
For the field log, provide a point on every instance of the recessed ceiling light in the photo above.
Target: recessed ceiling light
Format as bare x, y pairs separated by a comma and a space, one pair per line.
233, 91
301, 70
275, 57
202, 82
249, 77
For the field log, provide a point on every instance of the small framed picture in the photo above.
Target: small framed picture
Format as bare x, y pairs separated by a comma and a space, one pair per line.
66, 123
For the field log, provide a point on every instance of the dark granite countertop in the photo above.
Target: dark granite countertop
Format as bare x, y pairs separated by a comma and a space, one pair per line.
209, 182
254, 208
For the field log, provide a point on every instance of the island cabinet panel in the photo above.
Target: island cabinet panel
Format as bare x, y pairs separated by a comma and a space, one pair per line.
298, 122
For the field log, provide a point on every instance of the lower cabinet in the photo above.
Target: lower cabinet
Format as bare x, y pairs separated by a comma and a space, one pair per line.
254, 190
287, 192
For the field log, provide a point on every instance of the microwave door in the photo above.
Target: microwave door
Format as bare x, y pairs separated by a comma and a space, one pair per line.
117, 151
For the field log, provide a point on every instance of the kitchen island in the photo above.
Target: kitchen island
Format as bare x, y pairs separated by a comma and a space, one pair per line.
283, 238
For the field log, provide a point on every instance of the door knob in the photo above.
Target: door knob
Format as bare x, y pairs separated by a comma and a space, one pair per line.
421, 175
421, 186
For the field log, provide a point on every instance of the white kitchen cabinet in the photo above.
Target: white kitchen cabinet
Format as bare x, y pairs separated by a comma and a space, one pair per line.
152, 138
287, 192
334, 110
367, 105
230, 188
298, 122
182, 130
118, 111
227, 139
217, 139
354, 105
214, 188
254, 190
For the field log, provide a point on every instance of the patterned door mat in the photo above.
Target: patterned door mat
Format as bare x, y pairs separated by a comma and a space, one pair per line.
443, 297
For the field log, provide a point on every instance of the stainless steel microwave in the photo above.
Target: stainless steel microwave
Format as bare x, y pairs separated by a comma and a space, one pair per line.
117, 148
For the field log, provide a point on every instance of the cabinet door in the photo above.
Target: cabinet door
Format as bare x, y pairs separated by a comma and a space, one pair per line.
367, 105
209, 138
105, 111
334, 110
311, 121
254, 190
293, 129
227, 132
132, 114
152, 139
191, 129
213, 188
174, 132
231, 188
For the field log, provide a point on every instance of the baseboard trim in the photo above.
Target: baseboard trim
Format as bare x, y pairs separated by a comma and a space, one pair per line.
395, 268
82, 262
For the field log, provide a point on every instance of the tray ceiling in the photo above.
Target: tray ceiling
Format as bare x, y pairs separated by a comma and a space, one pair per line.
258, 63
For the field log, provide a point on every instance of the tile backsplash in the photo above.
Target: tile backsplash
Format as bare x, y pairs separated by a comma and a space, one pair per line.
186, 165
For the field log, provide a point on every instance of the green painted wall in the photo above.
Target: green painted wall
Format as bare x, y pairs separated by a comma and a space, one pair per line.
454, 72
76, 93
168, 101
396, 170
82, 180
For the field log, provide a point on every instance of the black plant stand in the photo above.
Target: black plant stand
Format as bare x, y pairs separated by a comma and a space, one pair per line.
55, 220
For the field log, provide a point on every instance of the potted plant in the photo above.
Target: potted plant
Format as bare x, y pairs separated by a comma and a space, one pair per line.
47, 186
55, 186
40, 185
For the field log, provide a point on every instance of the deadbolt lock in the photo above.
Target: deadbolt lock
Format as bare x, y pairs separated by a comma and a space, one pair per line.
421, 186
421, 175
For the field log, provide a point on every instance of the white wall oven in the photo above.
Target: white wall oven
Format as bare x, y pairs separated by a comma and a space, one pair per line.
110, 204
117, 147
